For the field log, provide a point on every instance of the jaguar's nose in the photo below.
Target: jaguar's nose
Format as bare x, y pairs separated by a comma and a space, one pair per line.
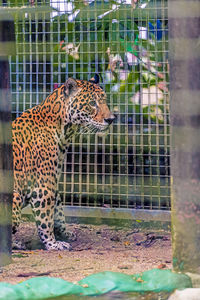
110, 120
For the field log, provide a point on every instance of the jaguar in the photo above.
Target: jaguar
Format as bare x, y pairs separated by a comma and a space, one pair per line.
41, 136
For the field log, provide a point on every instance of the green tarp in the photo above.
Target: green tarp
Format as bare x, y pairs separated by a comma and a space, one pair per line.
155, 280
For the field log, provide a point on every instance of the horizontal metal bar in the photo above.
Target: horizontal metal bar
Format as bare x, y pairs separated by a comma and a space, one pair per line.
113, 213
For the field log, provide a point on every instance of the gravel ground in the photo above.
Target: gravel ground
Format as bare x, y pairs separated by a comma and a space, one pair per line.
96, 249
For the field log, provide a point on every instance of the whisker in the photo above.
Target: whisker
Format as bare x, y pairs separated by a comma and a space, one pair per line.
91, 128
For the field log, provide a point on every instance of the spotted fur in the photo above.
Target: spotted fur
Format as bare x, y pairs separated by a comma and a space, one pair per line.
41, 136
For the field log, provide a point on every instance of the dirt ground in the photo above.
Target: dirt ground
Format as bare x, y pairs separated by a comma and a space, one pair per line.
96, 249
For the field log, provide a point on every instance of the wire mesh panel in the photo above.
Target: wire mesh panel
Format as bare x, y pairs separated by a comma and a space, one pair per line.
126, 42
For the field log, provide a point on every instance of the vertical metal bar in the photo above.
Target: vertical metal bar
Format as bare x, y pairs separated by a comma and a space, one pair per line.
109, 172
125, 190
23, 69
134, 133
89, 137
148, 128
17, 68
96, 137
73, 181
142, 178
31, 67
64, 183
165, 110
44, 56
37, 60
115, 200
82, 138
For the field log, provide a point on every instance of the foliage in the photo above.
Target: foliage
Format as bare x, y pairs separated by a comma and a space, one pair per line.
105, 36
110, 31
100, 25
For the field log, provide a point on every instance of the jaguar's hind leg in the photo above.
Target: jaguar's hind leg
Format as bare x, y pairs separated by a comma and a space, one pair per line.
16, 211
16, 218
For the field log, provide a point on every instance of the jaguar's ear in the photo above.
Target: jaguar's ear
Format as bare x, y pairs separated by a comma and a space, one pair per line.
95, 79
70, 86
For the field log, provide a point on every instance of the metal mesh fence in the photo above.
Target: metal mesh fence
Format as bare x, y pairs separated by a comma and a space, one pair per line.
126, 42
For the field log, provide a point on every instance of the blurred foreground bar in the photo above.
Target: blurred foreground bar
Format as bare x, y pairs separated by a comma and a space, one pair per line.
7, 47
185, 142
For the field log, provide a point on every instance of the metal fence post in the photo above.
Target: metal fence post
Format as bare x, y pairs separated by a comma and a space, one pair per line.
6, 165
185, 140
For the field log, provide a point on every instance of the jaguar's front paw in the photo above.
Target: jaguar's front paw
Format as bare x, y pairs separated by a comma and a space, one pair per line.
57, 245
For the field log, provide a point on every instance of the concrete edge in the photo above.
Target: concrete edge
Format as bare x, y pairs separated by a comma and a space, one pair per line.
195, 278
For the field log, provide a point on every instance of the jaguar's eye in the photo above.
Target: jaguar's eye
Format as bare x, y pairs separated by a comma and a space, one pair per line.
93, 103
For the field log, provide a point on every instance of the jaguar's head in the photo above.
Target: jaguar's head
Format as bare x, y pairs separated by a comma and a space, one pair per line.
87, 105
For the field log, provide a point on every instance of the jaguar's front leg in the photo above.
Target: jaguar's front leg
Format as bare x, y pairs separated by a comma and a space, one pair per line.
43, 208
59, 222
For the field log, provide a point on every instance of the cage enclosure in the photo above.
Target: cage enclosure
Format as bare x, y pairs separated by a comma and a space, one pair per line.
126, 42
